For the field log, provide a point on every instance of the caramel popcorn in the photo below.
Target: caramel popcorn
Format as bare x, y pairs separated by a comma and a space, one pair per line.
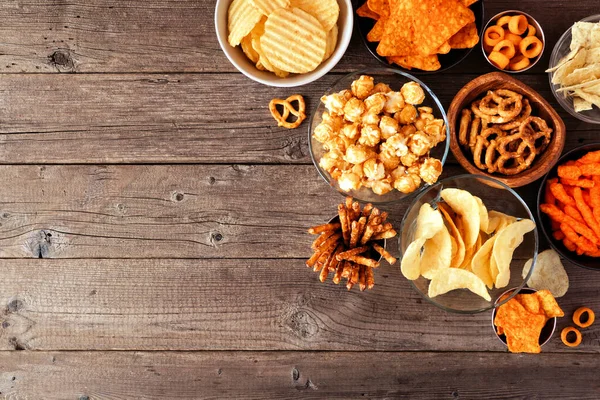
378, 138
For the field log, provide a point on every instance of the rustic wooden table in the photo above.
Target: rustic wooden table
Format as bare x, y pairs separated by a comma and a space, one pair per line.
153, 228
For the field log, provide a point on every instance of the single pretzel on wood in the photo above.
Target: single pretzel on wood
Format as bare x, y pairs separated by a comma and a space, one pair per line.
288, 109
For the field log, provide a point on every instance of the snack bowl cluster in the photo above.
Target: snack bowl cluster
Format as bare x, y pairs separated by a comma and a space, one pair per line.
395, 79
239, 60
495, 196
561, 49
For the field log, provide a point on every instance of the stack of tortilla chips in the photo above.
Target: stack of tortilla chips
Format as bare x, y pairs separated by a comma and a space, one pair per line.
411, 33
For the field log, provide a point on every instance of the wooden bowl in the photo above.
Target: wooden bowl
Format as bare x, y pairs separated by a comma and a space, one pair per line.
540, 107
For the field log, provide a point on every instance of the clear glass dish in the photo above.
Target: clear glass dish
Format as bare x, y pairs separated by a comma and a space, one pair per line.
496, 196
395, 79
561, 49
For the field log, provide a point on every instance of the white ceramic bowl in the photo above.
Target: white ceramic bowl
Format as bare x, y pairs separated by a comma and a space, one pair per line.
246, 67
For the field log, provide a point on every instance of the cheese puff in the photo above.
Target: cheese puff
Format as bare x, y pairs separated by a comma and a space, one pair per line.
558, 235
556, 214
548, 196
584, 183
586, 212
595, 197
569, 245
590, 169
580, 241
569, 171
590, 158
573, 213
558, 190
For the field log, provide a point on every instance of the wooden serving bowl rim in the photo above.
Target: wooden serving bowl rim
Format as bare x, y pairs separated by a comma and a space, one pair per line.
495, 80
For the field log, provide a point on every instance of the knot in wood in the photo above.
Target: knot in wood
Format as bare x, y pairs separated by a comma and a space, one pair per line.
177, 196
216, 237
62, 60
15, 306
295, 149
303, 324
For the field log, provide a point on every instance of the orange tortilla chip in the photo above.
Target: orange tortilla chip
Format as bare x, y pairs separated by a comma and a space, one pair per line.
466, 38
548, 304
444, 48
467, 3
531, 303
365, 12
425, 63
376, 33
397, 35
521, 327
432, 27
380, 7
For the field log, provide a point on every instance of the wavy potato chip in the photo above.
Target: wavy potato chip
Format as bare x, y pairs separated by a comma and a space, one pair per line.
480, 264
465, 205
437, 253
248, 50
294, 40
266, 7
507, 240
242, 16
326, 11
263, 62
449, 279
548, 273
332, 37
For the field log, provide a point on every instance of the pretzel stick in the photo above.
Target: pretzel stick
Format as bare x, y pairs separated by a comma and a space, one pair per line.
384, 253
343, 214
385, 235
370, 278
315, 230
362, 278
338, 273
352, 252
369, 262
321, 239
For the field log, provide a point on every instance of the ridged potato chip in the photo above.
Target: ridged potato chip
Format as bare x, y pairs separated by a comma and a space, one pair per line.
548, 273
326, 11
507, 240
266, 7
465, 205
248, 50
263, 62
437, 253
294, 41
449, 279
332, 37
241, 19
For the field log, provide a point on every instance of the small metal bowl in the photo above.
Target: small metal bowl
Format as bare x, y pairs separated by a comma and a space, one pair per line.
547, 331
539, 33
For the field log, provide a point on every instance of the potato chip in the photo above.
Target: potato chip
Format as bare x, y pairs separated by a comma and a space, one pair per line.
580, 34
429, 222
437, 253
263, 62
449, 279
484, 221
241, 19
465, 205
480, 264
248, 50
498, 221
332, 37
431, 29
469, 253
508, 239
548, 273
458, 255
466, 38
326, 11
266, 7
580, 104
294, 41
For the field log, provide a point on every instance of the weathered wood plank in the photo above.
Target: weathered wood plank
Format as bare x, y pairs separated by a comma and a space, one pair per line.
239, 305
181, 118
176, 36
285, 375
168, 211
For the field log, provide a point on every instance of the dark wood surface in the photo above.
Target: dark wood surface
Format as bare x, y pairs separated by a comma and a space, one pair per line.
153, 217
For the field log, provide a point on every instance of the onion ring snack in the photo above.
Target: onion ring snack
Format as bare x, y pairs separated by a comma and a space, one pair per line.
566, 331
579, 313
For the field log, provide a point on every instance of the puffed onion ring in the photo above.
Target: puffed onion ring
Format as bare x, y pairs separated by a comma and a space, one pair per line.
566, 331
531, 46
518, 24
577, 317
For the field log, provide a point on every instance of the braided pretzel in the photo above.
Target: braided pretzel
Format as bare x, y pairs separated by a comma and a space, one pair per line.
287, 110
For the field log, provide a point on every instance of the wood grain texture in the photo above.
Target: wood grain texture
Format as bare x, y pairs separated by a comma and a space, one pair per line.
240, 305
178, 36
285, 375
175, 118
166, 211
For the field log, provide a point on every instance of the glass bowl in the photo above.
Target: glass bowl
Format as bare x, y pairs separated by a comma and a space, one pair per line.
561, 49
395, 79
545, 222
447, 61
496, 196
